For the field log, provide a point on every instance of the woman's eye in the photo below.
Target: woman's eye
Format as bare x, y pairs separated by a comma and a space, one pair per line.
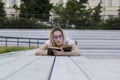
60, 36
55, 37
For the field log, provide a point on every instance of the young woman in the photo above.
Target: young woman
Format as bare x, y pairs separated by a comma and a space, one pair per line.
57, 39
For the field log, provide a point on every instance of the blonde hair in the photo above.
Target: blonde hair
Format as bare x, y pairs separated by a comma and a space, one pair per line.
51, 35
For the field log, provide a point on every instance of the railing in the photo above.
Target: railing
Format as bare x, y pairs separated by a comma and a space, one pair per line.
19, 40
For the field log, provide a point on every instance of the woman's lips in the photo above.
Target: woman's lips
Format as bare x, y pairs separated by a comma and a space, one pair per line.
58, 42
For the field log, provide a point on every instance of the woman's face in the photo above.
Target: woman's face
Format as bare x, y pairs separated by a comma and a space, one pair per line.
58, 38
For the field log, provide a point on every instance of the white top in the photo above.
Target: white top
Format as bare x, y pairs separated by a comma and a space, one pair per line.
68, 41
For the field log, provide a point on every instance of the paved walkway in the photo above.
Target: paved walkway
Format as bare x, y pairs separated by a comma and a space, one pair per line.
99, 60
24, 65
90, 42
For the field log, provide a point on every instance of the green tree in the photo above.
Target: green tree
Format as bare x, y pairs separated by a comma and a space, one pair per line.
35, 8
96, 21
16, 8
96, 12
73, 11
2, 11
119, 11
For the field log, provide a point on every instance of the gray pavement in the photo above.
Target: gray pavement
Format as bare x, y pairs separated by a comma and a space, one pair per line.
90, 42
99, 60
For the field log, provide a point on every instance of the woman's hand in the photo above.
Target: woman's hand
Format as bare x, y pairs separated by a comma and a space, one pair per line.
40, 52
59, 53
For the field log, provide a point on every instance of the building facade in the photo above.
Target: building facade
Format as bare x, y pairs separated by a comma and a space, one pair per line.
110, 7
8, 4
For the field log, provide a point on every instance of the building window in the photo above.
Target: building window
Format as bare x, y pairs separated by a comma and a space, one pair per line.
97, 1
11, 3
109, 2
61, 1
51, 1
119, 3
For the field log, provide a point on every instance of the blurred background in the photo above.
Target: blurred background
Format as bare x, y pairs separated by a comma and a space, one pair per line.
69, 14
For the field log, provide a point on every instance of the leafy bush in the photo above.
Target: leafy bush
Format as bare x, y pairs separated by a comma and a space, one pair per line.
112, 24
22, 23
109, 24
25, 23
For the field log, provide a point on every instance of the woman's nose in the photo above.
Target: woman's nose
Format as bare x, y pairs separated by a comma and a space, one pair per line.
58, 38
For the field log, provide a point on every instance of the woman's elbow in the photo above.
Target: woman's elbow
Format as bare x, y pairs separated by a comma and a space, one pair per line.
37, 53
78, 53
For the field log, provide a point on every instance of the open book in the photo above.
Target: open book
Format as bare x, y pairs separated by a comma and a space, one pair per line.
65, 48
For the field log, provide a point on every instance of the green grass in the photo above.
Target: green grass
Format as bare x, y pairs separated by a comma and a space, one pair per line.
10, 49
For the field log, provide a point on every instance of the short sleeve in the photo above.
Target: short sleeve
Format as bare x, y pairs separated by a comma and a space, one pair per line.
48, 42
69, 41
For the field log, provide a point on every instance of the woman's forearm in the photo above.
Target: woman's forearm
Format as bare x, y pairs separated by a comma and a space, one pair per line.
62, 53
73, 53
41, 52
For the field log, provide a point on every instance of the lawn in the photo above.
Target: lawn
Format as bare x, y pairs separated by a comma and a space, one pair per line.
9, 49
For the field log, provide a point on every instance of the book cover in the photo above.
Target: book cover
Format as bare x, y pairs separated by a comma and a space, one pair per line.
65, 48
